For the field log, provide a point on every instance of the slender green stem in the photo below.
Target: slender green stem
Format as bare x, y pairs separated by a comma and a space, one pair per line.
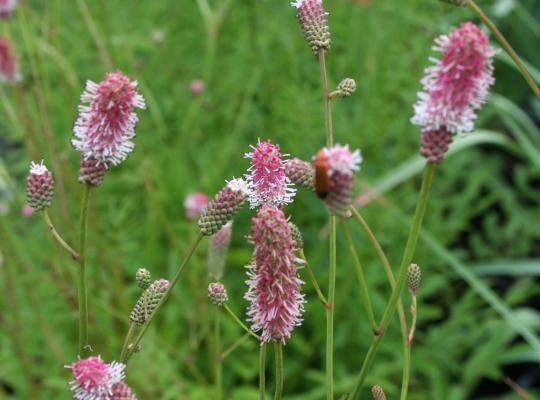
506, 46
406, 373
173, 282
392, 280
361, 276
278, 350
234, 346
239, 322
313, 280
57, 236
91, 26
84, 346
126, 340
217, 358
406, 260
332, 242
262, 372
413, 324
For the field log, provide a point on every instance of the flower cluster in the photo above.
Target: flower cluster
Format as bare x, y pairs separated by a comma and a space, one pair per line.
39, 187
94, 379
313, 20
276, 303
106, 126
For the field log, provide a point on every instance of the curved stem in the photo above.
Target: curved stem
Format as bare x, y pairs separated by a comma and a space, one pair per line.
406, 260
506, 46
59, 238
239, 322
278, 349
126, 340
234, 346
313, 279
390, 275
84, 346
361, 276
326, 97
164, 298
262, 372
217, 358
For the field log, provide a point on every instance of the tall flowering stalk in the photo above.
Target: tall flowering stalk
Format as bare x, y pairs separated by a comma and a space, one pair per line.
103, 132
276, 303
454, 89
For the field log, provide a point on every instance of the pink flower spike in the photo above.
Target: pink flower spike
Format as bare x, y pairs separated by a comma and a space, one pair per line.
340, 159
7, 7
106, 126
94, 379
9, 65
195, 204
268, 182
276, 303
457, 85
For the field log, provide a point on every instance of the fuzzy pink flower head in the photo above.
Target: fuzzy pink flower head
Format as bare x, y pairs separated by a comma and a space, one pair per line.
94, 379
342, 160
9, 65
7, 7
106, 125
197, 86
268, 182
457, 85
276, 303
195, 204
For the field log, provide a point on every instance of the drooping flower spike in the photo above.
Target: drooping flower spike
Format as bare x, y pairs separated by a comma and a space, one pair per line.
39, 187
268, 183
94, 379
454, 88
9, 65
105, 127
276, 303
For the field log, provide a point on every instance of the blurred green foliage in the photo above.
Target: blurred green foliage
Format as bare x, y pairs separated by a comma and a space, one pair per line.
262, 81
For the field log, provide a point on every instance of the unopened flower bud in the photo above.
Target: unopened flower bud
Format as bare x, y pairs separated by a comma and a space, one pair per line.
121, 391
297, 237
143, 278
345, 88
434, 144
314, 23
223, 207
148, 302
378, 393
217, 293
300, 172
91, 171
414, 278
39, 187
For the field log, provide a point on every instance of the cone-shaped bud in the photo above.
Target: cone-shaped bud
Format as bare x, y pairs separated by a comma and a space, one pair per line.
39, 187
297, 236
94, 379
378, 393
217, 293
91, 172
148, 301
314, 23
300, 173
414, 278
223, 207
121, 391
334, 170
434, 144
455, 2
218, 248
143, 278
345, 88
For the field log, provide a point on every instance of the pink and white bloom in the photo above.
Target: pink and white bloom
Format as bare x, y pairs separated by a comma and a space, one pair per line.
94, 379
7, 7
106, 124
9, 65
342, 160
457, 85
195, 204
268, 183
276, 303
